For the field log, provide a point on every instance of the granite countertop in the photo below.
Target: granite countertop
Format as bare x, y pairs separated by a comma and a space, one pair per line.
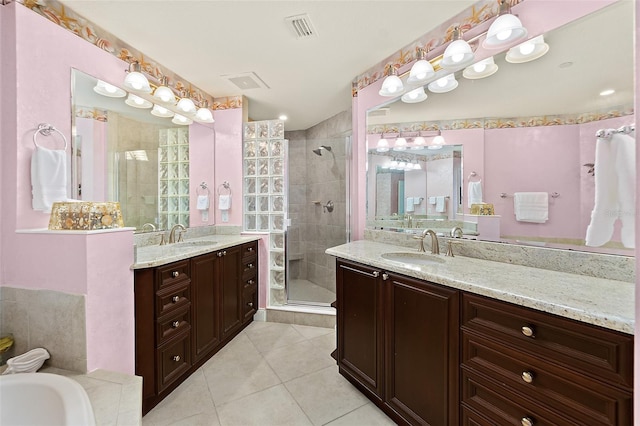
156, 255
598, 301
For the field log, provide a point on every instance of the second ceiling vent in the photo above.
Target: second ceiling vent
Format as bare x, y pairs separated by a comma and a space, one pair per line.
302, 26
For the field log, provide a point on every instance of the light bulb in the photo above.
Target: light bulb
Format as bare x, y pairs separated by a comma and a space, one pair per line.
457, 57
527, 48
438, 140
503, 35
418, 142
442, 82
383, 145
480, 66
400, 145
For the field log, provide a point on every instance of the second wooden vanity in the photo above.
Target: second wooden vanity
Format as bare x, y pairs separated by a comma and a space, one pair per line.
189, 309
435, 354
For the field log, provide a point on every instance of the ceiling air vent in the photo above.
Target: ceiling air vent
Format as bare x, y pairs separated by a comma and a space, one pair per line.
302, 26
247, 80
380, 112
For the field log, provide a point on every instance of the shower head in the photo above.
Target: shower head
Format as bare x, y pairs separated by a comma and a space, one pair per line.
318, 151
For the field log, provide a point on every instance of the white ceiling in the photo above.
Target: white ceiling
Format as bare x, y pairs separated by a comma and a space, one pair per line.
309, 79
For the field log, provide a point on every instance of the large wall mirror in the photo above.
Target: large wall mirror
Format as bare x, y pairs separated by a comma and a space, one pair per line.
126, 154
530, 127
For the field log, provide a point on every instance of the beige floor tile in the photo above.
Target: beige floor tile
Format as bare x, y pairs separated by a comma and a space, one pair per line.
325, 343
312, 332
270, 407
325, 395
191, 398
297, 360
273, 335
367, 415
237, 372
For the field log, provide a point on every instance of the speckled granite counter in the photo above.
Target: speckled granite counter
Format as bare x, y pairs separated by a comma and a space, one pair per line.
156, 255
603, 302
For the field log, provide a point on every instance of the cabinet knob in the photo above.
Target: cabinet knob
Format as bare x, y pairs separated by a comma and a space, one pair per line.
251, 282
250, 304
175, 274
527, 376
176, 358
175, 299
175, 324
250, 266
385, 276
528, 331
375, 274
250, 249
527, 421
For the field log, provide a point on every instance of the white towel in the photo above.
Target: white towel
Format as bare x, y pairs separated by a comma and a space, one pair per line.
224, 202
474, 193
409, 206
48, 177
432, 201
531, 206
615, 176
440, 204
202, 202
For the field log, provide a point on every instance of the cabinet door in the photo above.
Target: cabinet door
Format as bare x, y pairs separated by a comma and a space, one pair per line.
360, 331
422, 351
231, 286
206, 318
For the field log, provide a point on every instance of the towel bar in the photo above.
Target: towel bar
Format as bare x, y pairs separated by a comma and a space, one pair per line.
505, 195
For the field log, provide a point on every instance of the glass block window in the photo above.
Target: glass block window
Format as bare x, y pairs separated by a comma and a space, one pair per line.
173, 177
264, 191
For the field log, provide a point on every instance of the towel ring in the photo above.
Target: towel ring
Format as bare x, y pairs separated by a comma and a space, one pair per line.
202, 186
46, 130
225, 185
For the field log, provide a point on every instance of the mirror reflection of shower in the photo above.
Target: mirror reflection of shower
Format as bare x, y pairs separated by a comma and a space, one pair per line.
318, 151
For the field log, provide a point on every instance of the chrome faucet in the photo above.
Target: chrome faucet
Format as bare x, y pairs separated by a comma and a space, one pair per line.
148, 225
435, 247
172, 233
456, 232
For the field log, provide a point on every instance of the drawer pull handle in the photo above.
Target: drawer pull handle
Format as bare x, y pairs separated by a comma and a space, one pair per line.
175, 324
527, 376
385, 276
176, 358
250, 266
528, 331
250, 304
175, 299
375, 274
527, 421
251, 282
222, 253
250, 249
175, 274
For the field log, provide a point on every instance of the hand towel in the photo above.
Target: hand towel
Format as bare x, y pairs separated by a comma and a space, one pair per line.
614, 190
432, 201
474, 193
409, 206
48, 177
224, 202
440, 204
202, 202
531, 206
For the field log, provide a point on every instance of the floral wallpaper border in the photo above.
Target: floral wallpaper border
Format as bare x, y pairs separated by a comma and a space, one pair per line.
501, 123
71, 21
91, 112
480, 12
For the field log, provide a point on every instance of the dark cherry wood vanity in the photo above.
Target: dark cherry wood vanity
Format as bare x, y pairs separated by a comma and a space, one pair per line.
188, 310
427, 354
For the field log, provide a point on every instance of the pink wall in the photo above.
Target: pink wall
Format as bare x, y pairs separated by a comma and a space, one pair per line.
228, 166
636, 370
201, 162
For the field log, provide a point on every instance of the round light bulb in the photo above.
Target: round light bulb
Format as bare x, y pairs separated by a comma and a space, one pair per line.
503, 35
457, 57
438, 140
527, 48
480, 66
109, 88
442, 82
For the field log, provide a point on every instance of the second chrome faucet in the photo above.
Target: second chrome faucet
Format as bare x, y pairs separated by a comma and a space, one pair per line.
435, 246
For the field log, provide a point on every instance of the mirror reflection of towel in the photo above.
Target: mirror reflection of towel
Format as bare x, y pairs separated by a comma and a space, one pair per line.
409, 206
440, 205
224, 202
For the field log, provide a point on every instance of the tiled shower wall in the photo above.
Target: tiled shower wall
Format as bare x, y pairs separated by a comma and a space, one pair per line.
317, 178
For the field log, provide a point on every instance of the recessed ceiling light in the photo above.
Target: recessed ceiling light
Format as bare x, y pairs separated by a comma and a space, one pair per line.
607, 92
282, 117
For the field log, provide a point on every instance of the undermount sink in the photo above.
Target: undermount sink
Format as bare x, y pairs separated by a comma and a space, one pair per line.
413, 258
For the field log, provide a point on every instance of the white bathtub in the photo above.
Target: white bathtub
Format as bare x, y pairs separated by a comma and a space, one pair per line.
43, 399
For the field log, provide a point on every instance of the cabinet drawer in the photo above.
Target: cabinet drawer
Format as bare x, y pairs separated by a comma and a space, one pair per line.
250, 284
249, 267
171, 274
581, 398
589, 350
171, 298
174, 359
501, 407
172, 326
249, 304
250, 249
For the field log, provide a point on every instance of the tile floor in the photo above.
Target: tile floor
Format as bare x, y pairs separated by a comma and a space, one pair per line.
270, 374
